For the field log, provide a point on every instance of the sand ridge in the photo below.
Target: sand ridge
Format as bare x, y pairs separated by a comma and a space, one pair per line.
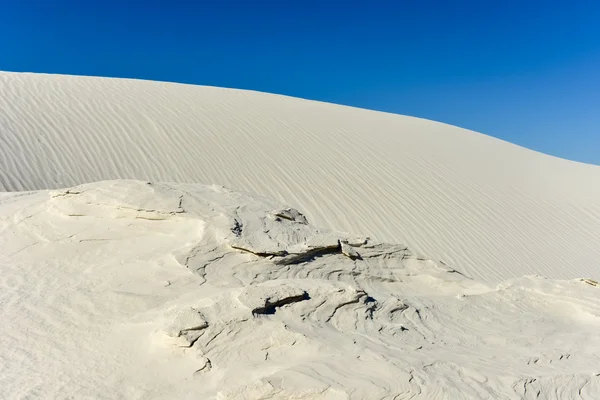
492, 209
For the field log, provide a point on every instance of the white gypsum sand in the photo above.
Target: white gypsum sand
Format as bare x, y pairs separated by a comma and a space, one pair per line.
140, 289
137, 290
489, 208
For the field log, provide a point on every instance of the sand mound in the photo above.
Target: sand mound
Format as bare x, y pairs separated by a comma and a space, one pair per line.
492, 209
129, 289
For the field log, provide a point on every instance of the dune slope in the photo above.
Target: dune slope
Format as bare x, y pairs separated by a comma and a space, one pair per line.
488, 208
126, 289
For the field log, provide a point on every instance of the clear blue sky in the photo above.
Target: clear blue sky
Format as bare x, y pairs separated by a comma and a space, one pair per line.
524, 71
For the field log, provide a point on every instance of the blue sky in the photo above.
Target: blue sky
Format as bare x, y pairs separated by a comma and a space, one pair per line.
524, 71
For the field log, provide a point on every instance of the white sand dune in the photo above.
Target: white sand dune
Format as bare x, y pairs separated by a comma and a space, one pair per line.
97, 302
136, 289
491, 209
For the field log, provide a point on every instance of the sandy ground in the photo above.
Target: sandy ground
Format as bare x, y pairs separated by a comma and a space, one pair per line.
418, 260
126, 289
